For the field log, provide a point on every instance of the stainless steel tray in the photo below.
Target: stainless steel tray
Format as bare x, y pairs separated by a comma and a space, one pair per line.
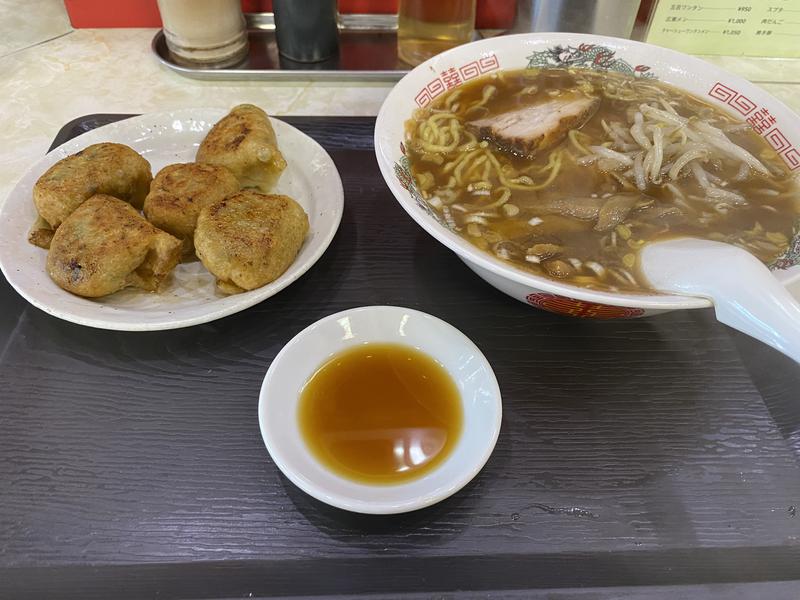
367, 52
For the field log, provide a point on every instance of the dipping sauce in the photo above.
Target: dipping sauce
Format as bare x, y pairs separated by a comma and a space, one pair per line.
381, 414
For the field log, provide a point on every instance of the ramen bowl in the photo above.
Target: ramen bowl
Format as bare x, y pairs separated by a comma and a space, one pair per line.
770, 118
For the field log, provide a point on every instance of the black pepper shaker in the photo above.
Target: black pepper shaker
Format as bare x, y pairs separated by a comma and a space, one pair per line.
306, 30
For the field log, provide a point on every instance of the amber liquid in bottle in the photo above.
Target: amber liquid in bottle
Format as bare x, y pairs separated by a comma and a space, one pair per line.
380, 414
427, 27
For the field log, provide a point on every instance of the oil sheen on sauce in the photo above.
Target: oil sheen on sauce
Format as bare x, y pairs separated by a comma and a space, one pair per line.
380, 414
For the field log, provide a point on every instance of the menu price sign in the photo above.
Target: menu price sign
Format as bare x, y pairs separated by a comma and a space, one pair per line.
736, 28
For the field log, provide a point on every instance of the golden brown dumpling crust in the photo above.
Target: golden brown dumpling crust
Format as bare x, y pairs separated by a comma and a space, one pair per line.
178, 192
107, 168
244, 142
105, 245
249, 239
41, 234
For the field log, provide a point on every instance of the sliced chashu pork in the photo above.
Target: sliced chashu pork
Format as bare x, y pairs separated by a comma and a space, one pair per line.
538, 127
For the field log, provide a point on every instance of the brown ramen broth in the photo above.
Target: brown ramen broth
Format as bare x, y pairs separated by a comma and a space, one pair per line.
639, 161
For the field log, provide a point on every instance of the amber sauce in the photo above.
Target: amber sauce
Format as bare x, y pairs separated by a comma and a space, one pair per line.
380, 414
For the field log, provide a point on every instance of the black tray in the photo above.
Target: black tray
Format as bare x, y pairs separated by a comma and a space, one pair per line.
649, 458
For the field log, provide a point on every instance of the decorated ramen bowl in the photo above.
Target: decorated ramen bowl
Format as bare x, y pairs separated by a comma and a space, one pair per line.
777, 126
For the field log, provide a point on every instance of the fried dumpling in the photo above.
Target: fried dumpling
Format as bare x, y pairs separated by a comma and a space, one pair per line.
106, 245
178, 193
249, 239
244, 142
105, 168
41, 234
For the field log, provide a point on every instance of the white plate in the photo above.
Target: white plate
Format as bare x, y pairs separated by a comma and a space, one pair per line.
189, 297
300, 358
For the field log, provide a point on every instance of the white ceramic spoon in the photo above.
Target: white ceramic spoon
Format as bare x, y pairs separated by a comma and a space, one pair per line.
745, 294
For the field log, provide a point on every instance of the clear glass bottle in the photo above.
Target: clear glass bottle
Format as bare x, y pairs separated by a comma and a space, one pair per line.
427, 27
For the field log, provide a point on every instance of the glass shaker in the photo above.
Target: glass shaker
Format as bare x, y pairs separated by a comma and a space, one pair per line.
204, 33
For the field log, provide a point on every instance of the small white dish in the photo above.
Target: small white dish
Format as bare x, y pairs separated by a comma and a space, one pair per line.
189, 296
309, 349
